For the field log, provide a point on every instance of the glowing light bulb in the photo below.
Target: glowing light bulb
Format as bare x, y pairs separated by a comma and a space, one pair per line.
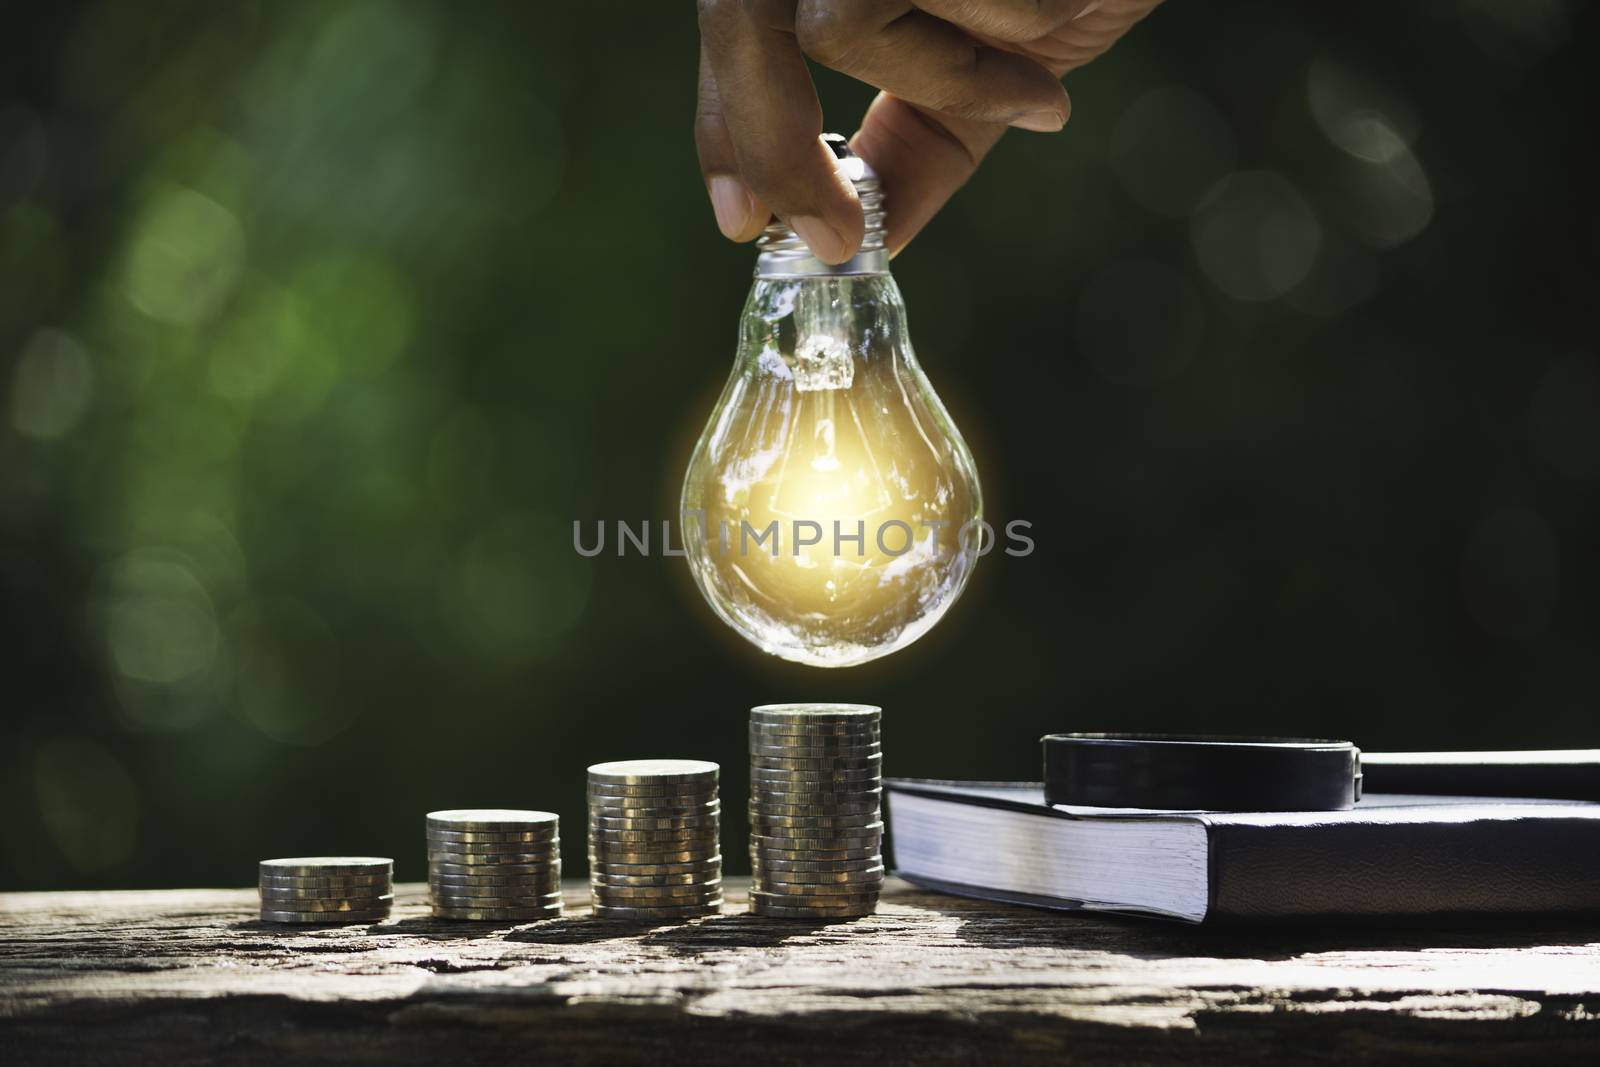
831, 506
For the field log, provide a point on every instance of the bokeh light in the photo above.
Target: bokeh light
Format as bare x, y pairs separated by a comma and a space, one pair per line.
1255, 236
1169, 147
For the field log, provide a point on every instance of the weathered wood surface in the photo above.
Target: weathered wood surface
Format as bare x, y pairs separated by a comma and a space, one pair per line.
190, 976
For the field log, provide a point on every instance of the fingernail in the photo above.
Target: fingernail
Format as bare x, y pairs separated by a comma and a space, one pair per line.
823, 240
1088, 9
1040, 121
733, 205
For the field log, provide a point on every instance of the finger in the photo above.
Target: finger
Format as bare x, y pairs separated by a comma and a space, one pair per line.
931, 63
774, 123
1008, 20
922, 159
740, 216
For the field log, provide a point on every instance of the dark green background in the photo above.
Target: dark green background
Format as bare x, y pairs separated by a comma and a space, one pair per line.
351, 309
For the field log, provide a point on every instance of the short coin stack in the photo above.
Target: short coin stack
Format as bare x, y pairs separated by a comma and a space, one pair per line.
816, 831
494, 864
654, 831
326, 889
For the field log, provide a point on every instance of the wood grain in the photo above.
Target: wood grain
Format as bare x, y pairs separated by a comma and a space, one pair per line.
190, 976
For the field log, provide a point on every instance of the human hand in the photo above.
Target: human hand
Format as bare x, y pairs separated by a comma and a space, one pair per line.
954, 75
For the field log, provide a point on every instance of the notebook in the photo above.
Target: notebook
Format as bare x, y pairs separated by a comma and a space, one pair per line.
1391, 856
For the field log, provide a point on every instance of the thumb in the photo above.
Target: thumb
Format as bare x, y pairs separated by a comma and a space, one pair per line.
922, 158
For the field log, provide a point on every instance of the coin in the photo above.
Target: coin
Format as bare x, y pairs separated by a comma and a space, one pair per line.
646, 808
665, 838
694, 911
281, 892
456, 901
823, 866
770, 841
817, 822
655, 791
871, 812
763, 853
793, 752
873, 830
687, 878
281, 903
774, 911
437, 867
866, 874
872, 762
666, 896
816, 712
324, 866
665, 822
493, 859
495, 820
637, 856
763, 884
336, 882
453, 838
553, 874
699, 865
487, 888
654, 772
506, 915
278, 915
807, 775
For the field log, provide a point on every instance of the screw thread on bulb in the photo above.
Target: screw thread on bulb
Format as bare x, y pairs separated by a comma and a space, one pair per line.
782, 254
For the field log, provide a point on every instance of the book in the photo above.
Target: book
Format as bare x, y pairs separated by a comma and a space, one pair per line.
1392, 856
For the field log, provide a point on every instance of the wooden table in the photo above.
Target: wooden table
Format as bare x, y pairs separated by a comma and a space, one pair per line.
190, 976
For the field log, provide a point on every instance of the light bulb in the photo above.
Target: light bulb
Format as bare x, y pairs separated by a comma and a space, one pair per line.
831, 508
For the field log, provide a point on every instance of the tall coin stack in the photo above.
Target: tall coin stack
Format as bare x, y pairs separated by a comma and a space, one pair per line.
326, 889
816, 831
654, 832
494, 864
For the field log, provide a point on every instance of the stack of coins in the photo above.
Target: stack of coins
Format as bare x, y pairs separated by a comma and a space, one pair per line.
326, 889
494, 864
654, 828
816, 832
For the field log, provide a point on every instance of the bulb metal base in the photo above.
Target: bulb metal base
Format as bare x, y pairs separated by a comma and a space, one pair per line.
782, 254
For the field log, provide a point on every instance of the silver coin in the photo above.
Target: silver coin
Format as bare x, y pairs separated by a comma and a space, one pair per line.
280, 892
494, 820
687, 836
531, 900
348, 881
872, 762
829, 737
530, 858
654, 772
816, 845
817, 889
683, 822
875, 873
552, 874
437, 867
700, 878
478, 837
281, 902
872, 830
279, 915
492, 848
779, 775
818, 824
695, 911
695, 866
773, 911
653, 792
325, 866
763, 853
612, 856
816, 712
504, 915
525, 887
811, 796
638, 896
870, 811
783, 866
790, 752
636, 808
